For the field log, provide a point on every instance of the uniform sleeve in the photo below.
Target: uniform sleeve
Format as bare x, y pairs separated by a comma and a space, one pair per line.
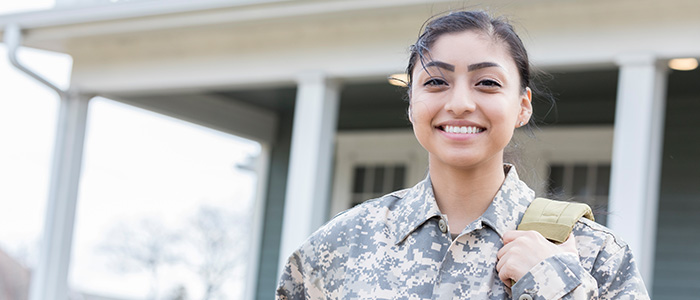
614, 276
558, 277
618, 276
291, 283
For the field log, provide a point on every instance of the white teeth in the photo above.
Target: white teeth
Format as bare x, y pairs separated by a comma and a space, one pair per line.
462, 129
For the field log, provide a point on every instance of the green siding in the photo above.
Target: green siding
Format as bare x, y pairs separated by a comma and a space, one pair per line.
274, 209
677, 261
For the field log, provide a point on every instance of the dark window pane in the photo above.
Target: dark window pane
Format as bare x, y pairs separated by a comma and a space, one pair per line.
579, 181
378, 180
603, 180
556, 180
359, 179
399, 178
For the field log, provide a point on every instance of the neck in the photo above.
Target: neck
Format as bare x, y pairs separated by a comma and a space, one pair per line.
464, 194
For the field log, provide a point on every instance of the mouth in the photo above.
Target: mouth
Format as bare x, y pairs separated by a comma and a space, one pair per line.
461, 129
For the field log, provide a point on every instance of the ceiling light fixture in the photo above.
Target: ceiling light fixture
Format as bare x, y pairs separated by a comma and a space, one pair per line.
683, 64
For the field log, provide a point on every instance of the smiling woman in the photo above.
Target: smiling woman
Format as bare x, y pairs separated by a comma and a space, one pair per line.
452, 236
480, 93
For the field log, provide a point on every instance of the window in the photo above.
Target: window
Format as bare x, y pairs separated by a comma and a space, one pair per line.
372, 181
165, 209
372, 164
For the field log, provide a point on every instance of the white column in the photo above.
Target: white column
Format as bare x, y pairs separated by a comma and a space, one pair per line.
49, 282
637, 146
310, 161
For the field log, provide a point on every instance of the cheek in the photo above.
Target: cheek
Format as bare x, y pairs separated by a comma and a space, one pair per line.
505, 121
505, 112
421, 118
421, 112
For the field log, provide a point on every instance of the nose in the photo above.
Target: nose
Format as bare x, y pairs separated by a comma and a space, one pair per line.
460, 101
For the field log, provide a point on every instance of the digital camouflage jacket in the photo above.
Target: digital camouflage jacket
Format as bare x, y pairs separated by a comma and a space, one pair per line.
399, 247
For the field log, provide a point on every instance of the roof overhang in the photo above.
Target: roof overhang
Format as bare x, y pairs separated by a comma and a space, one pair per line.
159, 45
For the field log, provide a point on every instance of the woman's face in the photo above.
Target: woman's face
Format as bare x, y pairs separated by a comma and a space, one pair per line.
466, 100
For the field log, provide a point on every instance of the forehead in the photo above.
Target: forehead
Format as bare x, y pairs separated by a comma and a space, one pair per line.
468, 47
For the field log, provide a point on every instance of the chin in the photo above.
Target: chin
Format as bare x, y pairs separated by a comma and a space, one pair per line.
462, 161
455, 161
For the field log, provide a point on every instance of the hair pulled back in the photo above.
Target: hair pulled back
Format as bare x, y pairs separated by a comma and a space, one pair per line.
455, 22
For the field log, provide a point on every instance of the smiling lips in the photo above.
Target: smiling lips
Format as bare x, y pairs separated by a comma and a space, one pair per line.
461, 129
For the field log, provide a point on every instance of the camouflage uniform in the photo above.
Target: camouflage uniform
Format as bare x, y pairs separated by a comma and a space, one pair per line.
399, 247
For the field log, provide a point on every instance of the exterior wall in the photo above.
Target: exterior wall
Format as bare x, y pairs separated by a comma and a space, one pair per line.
677, 268
274, 209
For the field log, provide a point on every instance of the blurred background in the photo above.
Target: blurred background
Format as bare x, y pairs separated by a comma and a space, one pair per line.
170, 149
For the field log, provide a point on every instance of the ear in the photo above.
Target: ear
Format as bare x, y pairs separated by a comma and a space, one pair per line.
525, 108
410, 113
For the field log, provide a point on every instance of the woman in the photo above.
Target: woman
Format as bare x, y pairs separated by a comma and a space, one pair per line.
453, 234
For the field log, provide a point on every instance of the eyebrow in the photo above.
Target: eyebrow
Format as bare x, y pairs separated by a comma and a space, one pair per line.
482, 65
440, 64
450, 67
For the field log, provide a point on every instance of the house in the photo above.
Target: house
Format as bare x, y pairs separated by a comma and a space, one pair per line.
308, 80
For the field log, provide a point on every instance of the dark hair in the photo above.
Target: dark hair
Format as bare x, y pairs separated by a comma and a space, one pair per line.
454, 22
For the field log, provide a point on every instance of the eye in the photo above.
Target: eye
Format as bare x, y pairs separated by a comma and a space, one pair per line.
489, 83
435, 82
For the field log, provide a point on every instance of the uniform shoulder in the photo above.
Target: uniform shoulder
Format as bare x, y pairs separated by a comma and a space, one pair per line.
597, 244
368, 207
369, 215
604, 236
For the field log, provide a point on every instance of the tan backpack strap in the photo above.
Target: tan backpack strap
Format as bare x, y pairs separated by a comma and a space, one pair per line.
554, 219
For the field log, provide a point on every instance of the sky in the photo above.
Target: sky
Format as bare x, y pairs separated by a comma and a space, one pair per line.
137, 165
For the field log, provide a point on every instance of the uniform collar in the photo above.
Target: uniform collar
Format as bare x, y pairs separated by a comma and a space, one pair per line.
509, 204
418, 205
